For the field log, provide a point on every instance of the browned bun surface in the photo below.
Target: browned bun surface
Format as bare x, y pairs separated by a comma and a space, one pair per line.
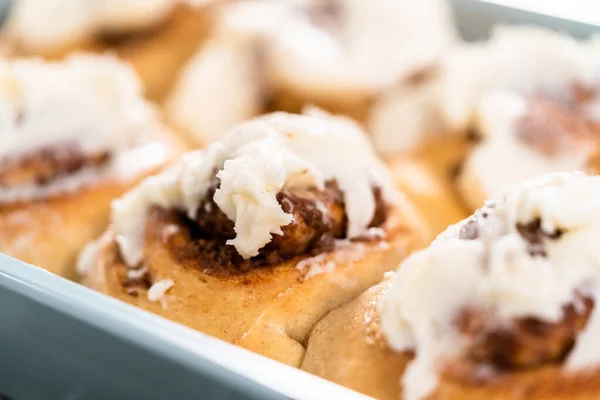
345, 348
427, 176
266, 305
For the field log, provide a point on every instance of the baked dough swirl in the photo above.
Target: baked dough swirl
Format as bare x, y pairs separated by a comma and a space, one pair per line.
256, 238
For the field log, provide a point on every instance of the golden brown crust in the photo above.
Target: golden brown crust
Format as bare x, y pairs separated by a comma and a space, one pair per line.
341, 348
50, 232
544, 383
427, 176
269, 310
158, 58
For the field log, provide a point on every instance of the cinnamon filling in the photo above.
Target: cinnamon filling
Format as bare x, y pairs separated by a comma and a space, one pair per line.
139, 280
328, 13
528, 342
553, 124
47, 164
319, 219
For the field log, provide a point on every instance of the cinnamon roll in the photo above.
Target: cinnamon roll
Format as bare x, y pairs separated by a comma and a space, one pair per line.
525, 100
269, 56
256, 238
155, 36
74, 135
531, 135
500, 306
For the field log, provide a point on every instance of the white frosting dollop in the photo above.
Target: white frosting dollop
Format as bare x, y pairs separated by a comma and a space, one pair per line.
502, 158
524, 60
254, 162
42, 24
520, 60
94, 103
315, 49
501, 274
361, 46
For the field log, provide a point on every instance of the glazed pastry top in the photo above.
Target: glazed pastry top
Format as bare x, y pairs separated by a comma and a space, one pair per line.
59, 117
362, 45
544, 116
538, 135
52, 24
553, 64
260, 167
529, 258
528, 62
95, 102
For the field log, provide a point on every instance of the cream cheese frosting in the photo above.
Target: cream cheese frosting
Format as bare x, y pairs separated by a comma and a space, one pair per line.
501, 272
40, 25
519, 60
254, 162
359, 46
94, 103
502, 159
523, 60
316, 49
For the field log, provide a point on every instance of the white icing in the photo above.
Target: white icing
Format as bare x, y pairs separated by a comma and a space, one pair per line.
255, 161
496, 273
371, 46
42, 24
158, 290
521, 60
502, 159
92, 102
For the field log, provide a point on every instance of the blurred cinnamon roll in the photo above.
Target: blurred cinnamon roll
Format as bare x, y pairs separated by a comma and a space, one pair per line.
156, 36
525, 136
500, 306
74, 135
256, 238
511, 108
281, 55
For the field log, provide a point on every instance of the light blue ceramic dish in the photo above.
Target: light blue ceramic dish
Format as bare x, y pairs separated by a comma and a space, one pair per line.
59, 340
